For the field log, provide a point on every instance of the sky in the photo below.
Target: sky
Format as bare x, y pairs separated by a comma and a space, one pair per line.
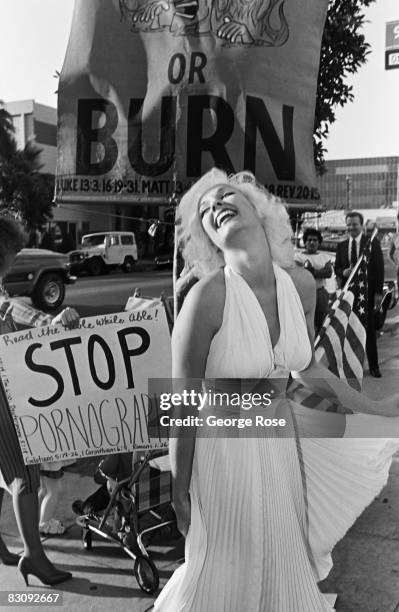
34, 36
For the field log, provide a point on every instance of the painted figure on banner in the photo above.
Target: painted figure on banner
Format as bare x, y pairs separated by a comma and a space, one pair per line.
240, 22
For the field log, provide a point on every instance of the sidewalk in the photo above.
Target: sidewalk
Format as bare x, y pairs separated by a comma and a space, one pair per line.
366, 561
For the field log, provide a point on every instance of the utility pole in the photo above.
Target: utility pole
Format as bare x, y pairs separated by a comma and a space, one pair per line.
348, 192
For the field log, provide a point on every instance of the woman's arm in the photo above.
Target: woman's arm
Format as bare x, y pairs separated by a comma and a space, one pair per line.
26, 316
324, 272
199, 319
319, 379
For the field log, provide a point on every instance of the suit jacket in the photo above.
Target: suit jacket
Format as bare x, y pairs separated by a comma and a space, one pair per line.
375, 268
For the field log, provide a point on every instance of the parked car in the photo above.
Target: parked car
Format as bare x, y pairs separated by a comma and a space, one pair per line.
41, 275
162, 262
103, 251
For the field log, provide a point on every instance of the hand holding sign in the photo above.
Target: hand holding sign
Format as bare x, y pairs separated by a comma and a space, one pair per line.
69, 318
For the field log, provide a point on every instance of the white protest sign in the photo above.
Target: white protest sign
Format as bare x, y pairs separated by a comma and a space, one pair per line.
76, 393
153, 93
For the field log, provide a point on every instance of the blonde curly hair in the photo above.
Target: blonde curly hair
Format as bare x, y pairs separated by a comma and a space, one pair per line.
198, 250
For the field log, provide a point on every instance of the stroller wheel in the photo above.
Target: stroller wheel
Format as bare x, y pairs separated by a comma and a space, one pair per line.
146, 574
87, 539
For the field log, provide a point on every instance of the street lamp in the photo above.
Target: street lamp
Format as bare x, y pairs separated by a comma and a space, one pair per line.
348, 192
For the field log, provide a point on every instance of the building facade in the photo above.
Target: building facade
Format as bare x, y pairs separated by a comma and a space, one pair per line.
38, 123
371, 182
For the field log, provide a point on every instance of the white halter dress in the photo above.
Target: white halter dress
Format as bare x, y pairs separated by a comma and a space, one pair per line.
266, 512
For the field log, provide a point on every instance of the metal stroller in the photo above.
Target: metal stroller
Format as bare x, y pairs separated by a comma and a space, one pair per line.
145, 493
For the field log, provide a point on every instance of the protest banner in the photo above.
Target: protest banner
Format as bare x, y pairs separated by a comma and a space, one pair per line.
82, 392
155, 92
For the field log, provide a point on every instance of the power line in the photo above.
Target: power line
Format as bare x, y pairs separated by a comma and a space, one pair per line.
98, 212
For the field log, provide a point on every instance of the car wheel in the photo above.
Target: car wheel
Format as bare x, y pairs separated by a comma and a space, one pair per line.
128, 264
96, 266
49, 292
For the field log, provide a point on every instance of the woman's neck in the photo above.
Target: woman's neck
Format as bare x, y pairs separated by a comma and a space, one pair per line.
253, 262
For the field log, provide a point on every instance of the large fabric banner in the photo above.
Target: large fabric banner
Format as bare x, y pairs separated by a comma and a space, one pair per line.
155, 92
85, 391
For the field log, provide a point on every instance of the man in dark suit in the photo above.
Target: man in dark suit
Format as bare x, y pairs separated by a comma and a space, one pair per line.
348, 253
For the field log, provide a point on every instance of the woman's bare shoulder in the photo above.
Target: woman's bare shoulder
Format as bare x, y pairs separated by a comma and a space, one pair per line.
206, 299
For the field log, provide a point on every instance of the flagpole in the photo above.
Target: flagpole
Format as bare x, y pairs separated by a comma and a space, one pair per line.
348, 282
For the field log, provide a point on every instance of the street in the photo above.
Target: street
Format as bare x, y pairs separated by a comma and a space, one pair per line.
92, 295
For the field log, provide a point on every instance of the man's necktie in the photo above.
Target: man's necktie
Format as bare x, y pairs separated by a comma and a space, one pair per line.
353, 253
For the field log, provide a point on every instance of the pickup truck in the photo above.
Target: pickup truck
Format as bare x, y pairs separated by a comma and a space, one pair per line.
41, 275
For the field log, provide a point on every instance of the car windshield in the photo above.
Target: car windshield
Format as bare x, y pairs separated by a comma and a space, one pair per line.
89, 241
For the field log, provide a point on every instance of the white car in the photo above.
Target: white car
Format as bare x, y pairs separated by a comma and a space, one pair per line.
103, 251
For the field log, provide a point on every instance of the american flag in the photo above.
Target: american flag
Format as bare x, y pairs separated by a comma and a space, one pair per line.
341, 343
342, 338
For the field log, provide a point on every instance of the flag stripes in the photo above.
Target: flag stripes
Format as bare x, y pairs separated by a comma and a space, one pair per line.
341, 343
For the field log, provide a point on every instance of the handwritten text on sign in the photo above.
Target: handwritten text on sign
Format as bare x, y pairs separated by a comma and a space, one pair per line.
85, 391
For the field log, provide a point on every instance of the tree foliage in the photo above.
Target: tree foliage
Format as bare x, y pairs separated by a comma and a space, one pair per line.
25, 192
343, 51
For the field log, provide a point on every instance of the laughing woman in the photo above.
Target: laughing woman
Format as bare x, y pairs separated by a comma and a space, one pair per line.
260, 514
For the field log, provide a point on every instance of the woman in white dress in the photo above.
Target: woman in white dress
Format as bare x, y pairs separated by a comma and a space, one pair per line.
260, 514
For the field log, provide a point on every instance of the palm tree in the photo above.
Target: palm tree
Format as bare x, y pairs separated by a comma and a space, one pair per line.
24, 191
6, 133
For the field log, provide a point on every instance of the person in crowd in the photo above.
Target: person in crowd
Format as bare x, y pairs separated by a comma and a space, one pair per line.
21, 480
320, 266
348, 252
257, 537
394, 252
48, 240
50, 492
68, 243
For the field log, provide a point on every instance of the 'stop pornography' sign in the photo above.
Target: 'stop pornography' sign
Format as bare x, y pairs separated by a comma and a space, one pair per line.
84, 391
155, 92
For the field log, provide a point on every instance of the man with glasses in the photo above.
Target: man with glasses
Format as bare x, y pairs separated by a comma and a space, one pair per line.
348, 252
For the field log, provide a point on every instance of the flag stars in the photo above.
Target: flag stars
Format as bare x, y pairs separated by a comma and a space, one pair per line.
361, 310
